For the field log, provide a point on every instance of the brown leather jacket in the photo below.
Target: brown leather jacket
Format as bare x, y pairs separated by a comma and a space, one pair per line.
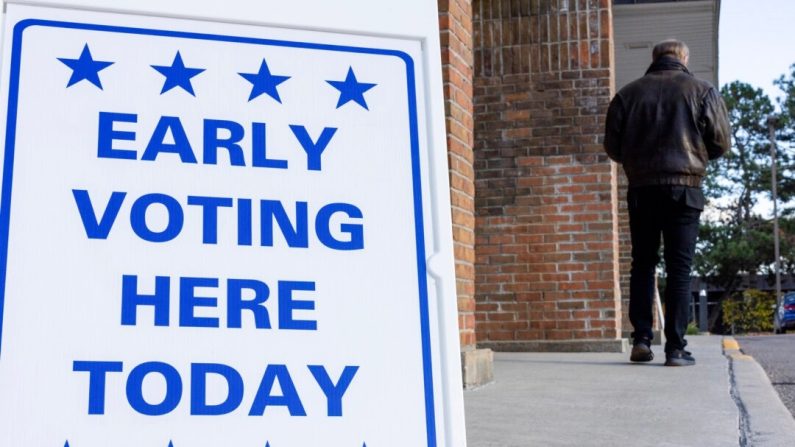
665, 126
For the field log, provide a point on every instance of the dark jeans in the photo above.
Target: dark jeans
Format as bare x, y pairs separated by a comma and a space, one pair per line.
671, 212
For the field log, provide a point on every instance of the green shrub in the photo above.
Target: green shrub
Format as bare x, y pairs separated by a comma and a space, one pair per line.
752, 311
692, 329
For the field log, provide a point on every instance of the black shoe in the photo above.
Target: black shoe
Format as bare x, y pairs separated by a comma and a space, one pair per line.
679, 357
641, 351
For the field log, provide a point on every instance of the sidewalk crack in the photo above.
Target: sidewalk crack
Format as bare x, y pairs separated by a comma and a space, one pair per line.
744, 423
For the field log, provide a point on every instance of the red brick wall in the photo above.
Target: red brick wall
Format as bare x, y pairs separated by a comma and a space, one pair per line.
546, 207
455, 23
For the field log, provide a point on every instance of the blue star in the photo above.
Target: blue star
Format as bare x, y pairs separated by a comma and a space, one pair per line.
351, 90
177, 75
264, 82
85, 67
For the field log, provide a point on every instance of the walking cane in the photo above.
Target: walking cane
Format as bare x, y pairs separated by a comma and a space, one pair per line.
660, 315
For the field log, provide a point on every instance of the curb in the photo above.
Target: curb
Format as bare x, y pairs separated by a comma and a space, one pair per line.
764, 421
732, 350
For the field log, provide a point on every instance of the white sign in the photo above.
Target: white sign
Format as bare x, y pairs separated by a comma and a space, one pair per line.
213, 234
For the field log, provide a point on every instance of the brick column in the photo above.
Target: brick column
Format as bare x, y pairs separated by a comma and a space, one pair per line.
455, 24
547, 245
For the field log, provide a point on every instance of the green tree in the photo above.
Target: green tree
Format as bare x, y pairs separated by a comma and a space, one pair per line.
737, 180
750, 311
736, 239
786, 136
787, 104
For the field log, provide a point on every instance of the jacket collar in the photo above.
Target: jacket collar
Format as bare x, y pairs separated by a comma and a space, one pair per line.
667, 63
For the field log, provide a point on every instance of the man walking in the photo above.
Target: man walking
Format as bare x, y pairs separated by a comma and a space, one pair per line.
663, 128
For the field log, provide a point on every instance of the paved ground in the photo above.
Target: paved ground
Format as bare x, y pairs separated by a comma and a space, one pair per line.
776, 354
542, 399
600, 399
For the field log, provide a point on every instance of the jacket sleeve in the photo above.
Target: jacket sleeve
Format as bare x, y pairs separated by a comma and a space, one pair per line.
613, 126
716, 131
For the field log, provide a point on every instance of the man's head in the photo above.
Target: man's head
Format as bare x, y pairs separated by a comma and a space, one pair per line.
671, 48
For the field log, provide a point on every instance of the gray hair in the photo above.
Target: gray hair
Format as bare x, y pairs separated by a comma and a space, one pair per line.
670, 47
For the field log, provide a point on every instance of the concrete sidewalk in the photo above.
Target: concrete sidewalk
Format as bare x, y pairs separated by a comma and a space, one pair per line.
600, 399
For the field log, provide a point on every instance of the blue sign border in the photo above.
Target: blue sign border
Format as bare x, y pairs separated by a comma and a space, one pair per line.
8, 162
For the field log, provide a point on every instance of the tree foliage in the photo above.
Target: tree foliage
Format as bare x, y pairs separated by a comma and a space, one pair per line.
751, 311
786, 135
737, 238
